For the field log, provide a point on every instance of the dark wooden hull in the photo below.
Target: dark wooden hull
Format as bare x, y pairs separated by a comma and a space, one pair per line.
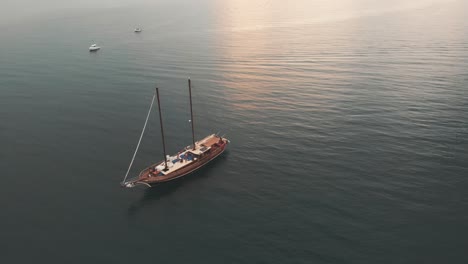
150, 181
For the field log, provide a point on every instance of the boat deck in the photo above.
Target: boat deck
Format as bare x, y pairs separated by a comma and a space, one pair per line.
181, 159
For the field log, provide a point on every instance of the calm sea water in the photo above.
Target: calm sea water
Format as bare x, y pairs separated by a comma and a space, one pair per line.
348, 123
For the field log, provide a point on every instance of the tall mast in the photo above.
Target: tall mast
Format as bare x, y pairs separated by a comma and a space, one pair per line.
191, 112
162, 130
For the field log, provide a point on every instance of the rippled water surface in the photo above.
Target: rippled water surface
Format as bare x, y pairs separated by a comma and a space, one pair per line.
348, 123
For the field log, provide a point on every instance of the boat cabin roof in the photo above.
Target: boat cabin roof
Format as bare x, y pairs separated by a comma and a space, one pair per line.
200, 150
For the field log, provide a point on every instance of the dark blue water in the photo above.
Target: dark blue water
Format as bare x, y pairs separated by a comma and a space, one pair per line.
348, 123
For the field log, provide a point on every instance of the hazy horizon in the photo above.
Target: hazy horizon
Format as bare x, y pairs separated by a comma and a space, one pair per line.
17, 11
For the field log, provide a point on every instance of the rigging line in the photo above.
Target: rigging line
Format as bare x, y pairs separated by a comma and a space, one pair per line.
139, 141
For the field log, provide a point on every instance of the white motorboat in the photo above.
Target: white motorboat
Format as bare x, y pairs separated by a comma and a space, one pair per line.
137, 30
94, 47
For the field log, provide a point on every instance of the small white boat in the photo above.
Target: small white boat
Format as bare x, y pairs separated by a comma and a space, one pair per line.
137, 30
94, 47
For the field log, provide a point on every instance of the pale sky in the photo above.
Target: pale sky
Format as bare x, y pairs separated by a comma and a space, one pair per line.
17, 10
12, 11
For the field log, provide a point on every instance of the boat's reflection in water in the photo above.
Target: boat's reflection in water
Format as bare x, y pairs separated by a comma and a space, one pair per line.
158, 192
154, 194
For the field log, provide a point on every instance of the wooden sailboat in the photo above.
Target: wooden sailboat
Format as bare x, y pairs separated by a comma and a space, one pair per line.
186, 161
